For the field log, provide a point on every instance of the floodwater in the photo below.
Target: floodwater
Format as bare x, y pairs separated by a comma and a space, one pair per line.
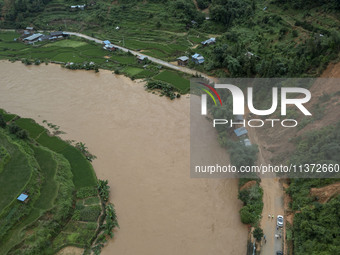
142, 146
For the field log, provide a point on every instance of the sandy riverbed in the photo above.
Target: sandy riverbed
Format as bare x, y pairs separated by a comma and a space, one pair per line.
142, 144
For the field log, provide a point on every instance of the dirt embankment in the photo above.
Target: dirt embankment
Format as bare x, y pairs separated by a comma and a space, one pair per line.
325, 108
324, 194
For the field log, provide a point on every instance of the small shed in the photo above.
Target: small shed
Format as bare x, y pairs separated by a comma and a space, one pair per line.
247, 142
141, 59
197, 58
106, 42
249, 54
211, 40
182, 61
23, 197
240, 131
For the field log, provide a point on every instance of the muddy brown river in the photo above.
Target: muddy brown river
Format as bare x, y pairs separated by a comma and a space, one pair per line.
142, 146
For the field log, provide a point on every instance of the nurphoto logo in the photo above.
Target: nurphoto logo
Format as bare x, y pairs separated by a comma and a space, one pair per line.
299, 97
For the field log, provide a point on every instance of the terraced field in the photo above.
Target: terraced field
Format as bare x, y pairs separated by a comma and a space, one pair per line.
63, 208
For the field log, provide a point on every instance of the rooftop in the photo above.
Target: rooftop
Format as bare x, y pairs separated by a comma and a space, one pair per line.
22, 197
240, 131
183, 58
56, 33
33, 37
209, 41
196, 55
247, 142
140, 57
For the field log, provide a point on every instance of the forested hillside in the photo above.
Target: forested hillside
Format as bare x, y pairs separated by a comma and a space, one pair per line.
253, 37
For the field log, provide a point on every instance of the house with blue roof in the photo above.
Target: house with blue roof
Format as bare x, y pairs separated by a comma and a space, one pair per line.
240, 131
197, 58
211, 40
23, 197
106, 42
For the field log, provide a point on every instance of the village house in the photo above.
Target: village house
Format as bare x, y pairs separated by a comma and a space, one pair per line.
32, 38
197, 58
44, 38
211, 40
109, 47
29, 31
240, 131
182, 61
58, 35
23, 197
106, 42
76, 7
141, 59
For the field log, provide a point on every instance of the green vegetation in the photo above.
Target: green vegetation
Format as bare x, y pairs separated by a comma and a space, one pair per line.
316, 229
254, 38
175, 80
165, 88
252, 200
44, 167
319, 147
315, 225
80, 54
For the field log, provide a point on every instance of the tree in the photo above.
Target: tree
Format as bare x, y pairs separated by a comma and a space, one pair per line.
247, 215
258, 233
104, 189
22, 134
13, 128
111, 220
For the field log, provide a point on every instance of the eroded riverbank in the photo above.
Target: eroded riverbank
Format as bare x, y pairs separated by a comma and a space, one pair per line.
142, 144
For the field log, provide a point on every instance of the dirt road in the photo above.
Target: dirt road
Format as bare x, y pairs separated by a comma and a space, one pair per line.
272, 199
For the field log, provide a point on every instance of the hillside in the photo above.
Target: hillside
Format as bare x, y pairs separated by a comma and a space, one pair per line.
253, 37
64, 206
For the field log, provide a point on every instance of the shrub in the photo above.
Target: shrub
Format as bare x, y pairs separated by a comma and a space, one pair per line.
2, 121
13, 128
22, 134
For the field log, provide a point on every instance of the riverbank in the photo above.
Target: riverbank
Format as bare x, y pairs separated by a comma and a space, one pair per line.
142, 144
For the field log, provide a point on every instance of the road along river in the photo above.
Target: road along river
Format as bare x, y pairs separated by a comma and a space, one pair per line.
142, 144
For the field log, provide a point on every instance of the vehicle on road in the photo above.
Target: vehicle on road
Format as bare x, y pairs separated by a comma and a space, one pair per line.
279, 221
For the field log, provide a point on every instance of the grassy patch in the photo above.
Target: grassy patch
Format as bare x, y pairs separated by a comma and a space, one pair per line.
48, 167
173, 78
32, 128
132, 71
66, 43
